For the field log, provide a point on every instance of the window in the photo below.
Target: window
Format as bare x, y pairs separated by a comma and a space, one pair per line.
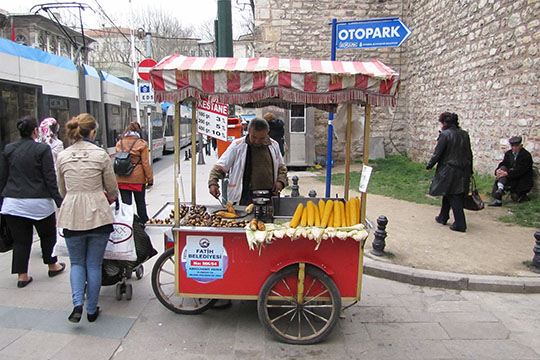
21, 39
298, 119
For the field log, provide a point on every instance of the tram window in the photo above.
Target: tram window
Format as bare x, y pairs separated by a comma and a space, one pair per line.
298, 119
114, 123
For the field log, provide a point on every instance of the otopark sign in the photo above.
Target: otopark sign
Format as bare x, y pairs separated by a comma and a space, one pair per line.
388, 32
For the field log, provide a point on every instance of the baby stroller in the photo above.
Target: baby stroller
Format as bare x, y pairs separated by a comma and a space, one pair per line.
118, 271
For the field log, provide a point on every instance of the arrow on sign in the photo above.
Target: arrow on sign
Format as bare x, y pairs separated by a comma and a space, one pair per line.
376, 33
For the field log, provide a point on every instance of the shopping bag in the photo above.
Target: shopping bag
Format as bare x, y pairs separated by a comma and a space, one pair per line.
473, 201
60, 248
121, 245
6, 241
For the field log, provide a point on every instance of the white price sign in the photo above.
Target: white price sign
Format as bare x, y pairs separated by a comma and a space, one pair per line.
364, 179
212, 119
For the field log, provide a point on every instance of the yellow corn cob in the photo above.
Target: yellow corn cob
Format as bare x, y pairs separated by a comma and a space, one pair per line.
311, 213
303, 220
328, 207
297, 215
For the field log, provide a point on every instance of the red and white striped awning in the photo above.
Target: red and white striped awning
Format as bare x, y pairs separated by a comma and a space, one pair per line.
243, 81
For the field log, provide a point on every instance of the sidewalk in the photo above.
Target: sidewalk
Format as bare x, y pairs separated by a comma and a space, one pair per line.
489, 256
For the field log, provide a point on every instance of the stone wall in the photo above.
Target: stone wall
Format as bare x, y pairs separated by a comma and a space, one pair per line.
477, 58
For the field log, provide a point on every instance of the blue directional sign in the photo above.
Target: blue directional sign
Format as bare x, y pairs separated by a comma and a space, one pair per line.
371, 33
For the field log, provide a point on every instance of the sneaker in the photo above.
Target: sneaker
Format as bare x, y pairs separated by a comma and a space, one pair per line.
495, 203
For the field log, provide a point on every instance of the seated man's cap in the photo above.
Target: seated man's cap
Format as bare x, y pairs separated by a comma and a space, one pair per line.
515, 140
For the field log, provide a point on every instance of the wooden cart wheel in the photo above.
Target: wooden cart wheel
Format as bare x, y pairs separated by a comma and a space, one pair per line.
299, 304
163, 286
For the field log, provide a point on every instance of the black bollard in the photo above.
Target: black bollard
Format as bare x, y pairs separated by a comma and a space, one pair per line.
186, 155
535, 266
378, 243
312, 193
294, 192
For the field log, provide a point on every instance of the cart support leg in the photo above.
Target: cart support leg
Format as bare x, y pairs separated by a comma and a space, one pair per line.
300, 287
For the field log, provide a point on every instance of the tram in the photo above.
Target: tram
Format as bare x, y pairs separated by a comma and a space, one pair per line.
40, 84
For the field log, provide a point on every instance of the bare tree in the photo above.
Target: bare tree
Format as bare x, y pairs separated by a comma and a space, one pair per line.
167, 34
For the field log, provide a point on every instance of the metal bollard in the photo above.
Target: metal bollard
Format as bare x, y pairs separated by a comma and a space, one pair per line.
312, 193
535, 266
186, 155
378, 243
294, 192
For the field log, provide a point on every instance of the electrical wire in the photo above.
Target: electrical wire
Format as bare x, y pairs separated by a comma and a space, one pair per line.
116, 27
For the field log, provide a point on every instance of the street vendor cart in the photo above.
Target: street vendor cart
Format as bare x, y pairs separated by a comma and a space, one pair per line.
299, 265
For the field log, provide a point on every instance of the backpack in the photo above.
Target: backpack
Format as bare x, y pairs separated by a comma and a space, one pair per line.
122, 161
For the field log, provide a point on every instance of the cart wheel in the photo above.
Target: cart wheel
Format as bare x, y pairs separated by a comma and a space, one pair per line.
139, 273
163, 286
305, 319
119, 292
129, 291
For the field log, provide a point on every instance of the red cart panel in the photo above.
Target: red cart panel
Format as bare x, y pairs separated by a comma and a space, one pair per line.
244, 271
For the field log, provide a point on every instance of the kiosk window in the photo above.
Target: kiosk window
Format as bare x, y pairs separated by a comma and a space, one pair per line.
298, 119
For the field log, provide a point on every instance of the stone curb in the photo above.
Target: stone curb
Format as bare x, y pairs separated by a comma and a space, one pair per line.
450, 280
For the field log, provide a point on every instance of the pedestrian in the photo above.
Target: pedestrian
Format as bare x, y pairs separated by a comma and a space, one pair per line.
28, 195
253, 162
134, 185
84, 172
277, 129
513, 174
453, 157
48, 134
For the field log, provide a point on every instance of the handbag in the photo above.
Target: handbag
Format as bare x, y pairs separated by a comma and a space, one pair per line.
6, 240
473, 201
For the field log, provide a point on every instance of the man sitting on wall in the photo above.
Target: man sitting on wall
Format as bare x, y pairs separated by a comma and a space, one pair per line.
514, 174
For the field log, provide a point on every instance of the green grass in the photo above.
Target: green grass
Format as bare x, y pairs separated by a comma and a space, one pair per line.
400, 178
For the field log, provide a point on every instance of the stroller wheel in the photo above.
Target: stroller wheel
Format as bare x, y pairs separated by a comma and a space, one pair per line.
139, 272
129, 291
119, 292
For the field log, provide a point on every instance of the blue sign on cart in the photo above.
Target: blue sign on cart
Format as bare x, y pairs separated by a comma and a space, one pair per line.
383, 33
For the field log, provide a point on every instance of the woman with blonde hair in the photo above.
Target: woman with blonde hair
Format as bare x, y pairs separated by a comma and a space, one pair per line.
84, 172
141, 176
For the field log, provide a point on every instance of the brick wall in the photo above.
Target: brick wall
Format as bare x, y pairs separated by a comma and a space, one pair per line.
477, 58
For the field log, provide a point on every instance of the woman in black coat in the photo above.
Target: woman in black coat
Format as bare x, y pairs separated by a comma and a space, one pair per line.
28, 193
453, 157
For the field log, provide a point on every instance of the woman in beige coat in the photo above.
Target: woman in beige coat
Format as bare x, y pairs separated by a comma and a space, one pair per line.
84, 171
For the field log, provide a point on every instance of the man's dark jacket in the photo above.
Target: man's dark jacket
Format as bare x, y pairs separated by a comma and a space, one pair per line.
520, 171
27, 171
453, 157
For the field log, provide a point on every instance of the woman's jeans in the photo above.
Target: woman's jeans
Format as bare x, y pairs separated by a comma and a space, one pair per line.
140, 202
86, 256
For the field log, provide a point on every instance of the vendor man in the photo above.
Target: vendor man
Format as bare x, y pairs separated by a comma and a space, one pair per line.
254, 162
514, 174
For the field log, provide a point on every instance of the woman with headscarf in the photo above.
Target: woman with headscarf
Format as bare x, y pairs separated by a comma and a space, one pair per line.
28, 193
48, 134
453, 157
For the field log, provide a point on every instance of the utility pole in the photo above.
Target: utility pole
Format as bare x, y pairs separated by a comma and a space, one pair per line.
147, 108
224, 38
